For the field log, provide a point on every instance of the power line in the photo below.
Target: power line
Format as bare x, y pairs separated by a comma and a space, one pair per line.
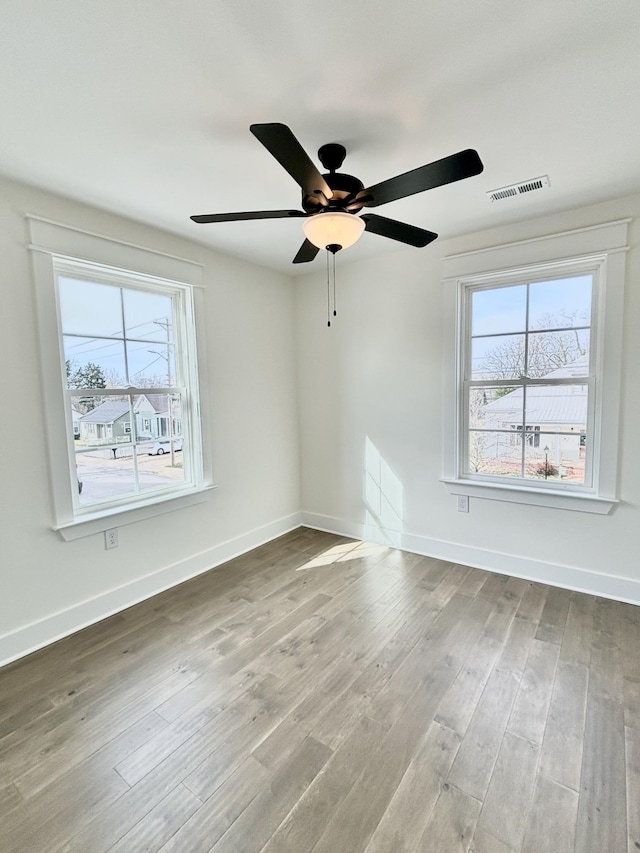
151, 363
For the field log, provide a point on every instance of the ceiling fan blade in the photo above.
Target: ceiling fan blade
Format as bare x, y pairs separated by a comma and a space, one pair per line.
281, 143
249, 214
306, 253
395, 230
456, 167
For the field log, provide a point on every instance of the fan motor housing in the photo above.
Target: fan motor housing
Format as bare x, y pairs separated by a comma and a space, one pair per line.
344, 188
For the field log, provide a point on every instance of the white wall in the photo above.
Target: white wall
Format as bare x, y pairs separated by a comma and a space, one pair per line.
49, 587
375, 380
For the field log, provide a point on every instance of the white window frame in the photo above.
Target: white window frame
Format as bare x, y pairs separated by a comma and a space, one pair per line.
599, 249
53, 246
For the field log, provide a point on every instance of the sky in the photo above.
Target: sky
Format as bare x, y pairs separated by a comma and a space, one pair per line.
503, 310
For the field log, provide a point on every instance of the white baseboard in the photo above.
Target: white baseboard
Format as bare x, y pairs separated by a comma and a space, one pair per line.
569, 577
31, 637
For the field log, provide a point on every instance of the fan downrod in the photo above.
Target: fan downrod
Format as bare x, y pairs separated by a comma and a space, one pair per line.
332, 155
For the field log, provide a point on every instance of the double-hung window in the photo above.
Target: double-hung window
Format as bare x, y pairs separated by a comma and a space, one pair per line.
529, 380
533, 360
130, 376
121, 389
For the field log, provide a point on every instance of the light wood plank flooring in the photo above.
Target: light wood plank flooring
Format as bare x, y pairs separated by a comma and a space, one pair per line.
319, 694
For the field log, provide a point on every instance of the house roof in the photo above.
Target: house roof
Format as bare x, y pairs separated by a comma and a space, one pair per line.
111, 410
158, 401
159, 404
106, 413
555, 404
547, 404
578, 367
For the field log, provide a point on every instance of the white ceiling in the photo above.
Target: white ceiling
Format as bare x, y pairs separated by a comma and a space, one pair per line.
143, 107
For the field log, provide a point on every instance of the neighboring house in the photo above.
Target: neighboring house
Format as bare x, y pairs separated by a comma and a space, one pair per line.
147, 416
75, 418
152, 416
558, 409
110, 422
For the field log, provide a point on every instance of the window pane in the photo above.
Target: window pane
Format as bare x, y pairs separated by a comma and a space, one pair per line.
148, 316
558, 457
558, 408
158, 416
558, 354
493, 407
562, 303
90, 309
105, 473
94, 362
151, 365
102, 421
499, 310
157, 467
494, 453
498, 357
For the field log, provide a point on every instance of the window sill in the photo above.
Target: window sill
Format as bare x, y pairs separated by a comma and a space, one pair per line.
103, 520
556, 499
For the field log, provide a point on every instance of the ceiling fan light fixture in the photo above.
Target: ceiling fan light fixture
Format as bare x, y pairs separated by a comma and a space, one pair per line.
333, 228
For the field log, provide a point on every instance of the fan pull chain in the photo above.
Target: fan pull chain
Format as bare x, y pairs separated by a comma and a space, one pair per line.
332, 248
328, 294
335, 313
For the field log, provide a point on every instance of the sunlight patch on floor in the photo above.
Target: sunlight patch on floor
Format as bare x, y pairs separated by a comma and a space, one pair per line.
344, 553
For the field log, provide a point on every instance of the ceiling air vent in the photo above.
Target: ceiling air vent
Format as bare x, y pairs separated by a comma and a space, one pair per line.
519, 189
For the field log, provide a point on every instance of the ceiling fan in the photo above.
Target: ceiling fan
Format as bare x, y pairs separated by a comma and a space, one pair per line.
332, 201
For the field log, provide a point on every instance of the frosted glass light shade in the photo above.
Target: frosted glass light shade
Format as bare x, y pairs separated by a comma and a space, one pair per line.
333, 228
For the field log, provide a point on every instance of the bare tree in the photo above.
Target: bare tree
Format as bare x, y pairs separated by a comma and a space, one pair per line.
547, 350
113, 378
156, 381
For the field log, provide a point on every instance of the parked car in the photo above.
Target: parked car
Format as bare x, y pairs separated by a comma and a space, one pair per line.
163, 445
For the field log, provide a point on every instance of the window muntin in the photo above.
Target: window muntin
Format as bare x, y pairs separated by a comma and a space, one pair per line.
130, 375
529, 369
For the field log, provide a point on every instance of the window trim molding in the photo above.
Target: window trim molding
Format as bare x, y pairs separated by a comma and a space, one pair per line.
90, 523
50, 241
603, 246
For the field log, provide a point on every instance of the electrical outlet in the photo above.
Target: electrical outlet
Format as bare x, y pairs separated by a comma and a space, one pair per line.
111, 538
463, 503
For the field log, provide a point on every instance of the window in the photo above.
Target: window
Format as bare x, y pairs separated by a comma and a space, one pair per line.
534, 370
527, 357
126, 375
127, 371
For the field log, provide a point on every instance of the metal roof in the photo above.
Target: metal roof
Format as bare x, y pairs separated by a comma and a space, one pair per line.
546, 404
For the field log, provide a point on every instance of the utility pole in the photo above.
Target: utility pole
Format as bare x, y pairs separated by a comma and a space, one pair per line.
166, 325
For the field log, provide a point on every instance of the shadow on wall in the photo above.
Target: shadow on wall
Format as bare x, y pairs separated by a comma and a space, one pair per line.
383, 498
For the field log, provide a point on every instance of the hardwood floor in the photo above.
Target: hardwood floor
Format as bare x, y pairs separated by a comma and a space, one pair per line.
322, 695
